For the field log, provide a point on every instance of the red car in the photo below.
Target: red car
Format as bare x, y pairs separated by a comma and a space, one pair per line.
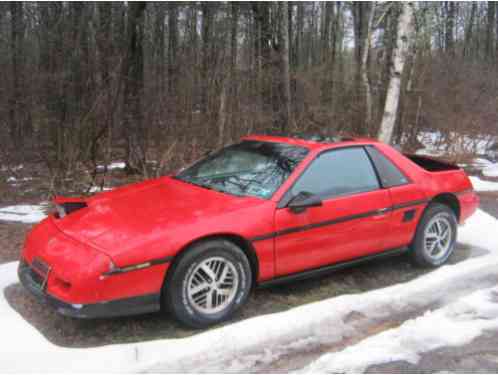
262, 211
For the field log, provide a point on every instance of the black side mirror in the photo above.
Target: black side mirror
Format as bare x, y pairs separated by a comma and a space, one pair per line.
303, 200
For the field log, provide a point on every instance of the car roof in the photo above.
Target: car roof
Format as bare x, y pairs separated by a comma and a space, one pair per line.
311, 141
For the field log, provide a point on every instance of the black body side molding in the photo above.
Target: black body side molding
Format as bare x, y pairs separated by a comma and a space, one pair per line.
331, 268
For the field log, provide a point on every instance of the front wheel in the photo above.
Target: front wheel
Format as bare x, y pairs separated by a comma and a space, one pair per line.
435, 237
208, 284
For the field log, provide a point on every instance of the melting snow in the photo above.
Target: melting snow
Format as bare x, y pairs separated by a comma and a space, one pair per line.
13, 179
324, 320
435, 144
23, 213
98, 189
457, 324
114, 165
483, 185
491, 170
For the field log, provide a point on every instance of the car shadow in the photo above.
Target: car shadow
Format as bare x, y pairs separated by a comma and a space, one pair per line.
69, 332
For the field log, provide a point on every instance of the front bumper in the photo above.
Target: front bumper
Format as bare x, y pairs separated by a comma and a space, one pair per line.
107, 309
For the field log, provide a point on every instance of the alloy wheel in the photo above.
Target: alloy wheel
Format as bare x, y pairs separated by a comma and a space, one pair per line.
438, 237
212, 285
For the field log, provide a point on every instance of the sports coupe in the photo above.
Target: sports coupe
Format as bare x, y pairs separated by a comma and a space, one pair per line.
265, 210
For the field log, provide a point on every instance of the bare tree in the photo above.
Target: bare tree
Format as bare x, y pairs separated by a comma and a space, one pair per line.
361, 20
490, 32
285, 111
450, 7
16, 112
364, 69
403, 39
96, 81
133, 125
172, 47
469, 30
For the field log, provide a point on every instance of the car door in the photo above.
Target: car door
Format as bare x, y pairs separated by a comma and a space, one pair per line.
408, 199
350, 223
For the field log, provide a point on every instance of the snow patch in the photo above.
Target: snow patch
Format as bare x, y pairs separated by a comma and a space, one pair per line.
436, 144
491, 170
24, 179
481, 163
483, 185
5, 168
98, 189
112, 166
457, 324
23, 213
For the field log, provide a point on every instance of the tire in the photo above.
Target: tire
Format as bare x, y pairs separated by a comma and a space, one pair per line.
430, 248
189, 289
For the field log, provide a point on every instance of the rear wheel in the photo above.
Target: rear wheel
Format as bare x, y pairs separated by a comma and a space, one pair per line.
435, 237
208, 284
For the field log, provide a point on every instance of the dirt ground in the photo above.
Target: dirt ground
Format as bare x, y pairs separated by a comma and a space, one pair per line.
81, 333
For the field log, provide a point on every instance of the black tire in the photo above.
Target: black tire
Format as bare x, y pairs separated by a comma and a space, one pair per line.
175, 292
418, 250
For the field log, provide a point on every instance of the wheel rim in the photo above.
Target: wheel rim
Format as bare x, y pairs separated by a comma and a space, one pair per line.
212, 285
438, 237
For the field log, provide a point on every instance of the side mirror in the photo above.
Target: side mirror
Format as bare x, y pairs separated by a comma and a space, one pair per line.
304, 200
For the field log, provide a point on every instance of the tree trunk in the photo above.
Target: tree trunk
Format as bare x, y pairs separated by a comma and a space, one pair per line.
490, 33
222, 113
172, 49
403, 39
325, 32
104, 40
299, 35
468, 32
360, 26
364, 71
193, 43
207, 30
232, 79
16, 109
133, 125
328, 83
388, 43
159, 49
496, 33
450, 27
261, 12
285, 109
291, 36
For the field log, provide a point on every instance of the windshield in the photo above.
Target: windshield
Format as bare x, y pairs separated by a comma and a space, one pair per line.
248, 168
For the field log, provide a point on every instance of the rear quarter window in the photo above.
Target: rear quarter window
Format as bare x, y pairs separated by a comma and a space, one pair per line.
389, 174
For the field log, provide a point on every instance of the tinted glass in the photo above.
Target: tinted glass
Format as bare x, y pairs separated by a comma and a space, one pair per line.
389, 174
247, 168
339, 172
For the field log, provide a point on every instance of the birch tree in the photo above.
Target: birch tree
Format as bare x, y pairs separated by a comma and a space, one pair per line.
400, 53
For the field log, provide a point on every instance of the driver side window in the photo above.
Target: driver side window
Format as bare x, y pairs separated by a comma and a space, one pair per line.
338, 172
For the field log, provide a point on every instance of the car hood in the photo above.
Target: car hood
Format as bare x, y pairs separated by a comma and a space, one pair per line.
147, 216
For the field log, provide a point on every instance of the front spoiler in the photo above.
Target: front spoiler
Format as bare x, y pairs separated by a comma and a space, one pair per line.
108, 309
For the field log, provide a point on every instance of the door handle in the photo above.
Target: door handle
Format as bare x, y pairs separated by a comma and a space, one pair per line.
382, 211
